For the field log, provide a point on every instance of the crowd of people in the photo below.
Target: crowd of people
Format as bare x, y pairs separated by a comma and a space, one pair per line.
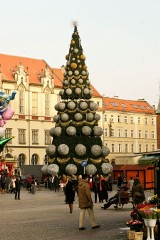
81, 186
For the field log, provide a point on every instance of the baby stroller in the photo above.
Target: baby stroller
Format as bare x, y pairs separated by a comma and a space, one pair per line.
119, 199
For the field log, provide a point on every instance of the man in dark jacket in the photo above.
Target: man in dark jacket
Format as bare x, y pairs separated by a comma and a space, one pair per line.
18, 188
85, 203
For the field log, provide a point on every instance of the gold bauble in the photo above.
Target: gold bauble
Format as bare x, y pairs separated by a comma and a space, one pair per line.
83, 57
73, 42
80, 66
77, 56
85, 67
73, 65
75, 33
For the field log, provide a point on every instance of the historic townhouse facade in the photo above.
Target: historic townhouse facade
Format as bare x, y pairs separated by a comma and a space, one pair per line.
129, 127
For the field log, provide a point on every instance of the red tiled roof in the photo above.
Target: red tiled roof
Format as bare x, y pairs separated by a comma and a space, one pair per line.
137, 106
34, 67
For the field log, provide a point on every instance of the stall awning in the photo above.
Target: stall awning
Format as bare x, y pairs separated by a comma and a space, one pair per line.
149, 160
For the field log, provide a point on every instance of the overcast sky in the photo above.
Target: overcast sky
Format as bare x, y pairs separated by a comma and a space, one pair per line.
120, 38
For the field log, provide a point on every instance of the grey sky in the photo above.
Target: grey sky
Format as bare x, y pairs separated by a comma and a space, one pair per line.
120, 38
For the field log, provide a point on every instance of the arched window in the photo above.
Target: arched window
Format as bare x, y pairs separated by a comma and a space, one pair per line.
21, 159
34, 159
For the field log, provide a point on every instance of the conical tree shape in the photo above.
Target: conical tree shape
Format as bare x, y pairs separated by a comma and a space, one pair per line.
76, 135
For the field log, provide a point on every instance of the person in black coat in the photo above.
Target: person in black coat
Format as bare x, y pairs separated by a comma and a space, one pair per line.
17, 188
70, 193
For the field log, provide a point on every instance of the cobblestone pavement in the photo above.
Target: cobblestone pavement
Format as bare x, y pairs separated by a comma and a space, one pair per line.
45, 216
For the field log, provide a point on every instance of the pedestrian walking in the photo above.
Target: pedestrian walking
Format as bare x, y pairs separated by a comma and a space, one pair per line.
70, 193
17, 188
104, 190
85, 203
96, 188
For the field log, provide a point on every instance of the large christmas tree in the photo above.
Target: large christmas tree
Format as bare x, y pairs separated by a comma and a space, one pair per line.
76, 135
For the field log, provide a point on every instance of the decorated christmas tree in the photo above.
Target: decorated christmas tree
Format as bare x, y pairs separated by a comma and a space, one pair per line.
76, 135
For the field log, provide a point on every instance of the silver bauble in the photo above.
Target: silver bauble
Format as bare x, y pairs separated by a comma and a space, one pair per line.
71, 105
62, 106
83, 105
50, 150
73, 81
56, 118
106, 168
64, 117
70, 73
80, 81
71, 131
53, 169
86, 131
96, 150
78, 91
44, 169
78, 116
92, 106
63, 149
97, 117
76, 72
65, 82
105, 151
61, 92
76, 50
71, 169
91, 169
56, 131
98, 131
86, 91
89, 117
68, 91
80, 149
84, 72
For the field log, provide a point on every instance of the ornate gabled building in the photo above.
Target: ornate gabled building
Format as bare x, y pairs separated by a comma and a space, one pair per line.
37, 86
129, 127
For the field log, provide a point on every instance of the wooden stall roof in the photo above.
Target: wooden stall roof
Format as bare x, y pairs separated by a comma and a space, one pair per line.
131, 167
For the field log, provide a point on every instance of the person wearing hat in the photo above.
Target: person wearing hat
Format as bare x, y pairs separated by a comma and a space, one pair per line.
85, 203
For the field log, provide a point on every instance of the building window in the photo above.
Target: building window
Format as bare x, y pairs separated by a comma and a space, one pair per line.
21, 136
125, 119
8, 134
132, 120
34, 159
98, 103
34, 103
112, 118
132, 148
146, 134
47, 137
132, 133
105, 117
153, 147
119, 118
139, 120
112, 147
34, 136
140, 147
21, 101
152, 121
126, 148
47, 104
146, 121
126, 133
119, 147
21, 159
119, 132
146, 147
153, 135
139, 133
